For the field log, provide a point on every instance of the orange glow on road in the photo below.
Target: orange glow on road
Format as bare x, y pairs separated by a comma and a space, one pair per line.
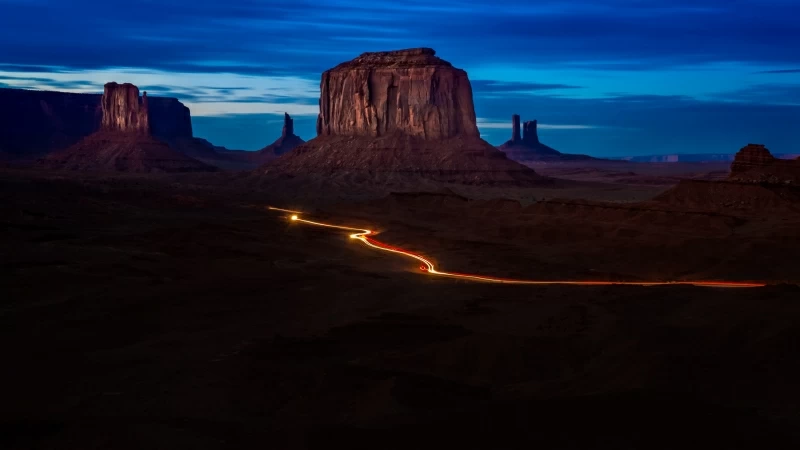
428, 267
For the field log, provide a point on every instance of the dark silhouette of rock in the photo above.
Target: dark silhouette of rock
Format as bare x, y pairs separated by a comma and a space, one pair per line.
125, 141
751, 156
529, 148
169, 118
515, 136
34, 123
283, 144
755, 164
530, 132
288, 125
403, 112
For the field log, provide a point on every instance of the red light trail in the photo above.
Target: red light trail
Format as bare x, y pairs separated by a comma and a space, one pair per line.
365, 236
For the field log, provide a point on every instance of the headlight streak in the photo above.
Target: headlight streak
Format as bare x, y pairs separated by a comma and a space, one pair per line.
429, 268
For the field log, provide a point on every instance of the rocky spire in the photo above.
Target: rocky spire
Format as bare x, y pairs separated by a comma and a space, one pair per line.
529, 133
515, 137
288, 125
123, 110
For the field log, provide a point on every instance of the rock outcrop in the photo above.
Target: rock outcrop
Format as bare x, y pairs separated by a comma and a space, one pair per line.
124, 110
287, 142
125, 141
750, 157
528, 148
34, 123
755, 164
408, 91
515, 136
530, 132
403, 113
169, 118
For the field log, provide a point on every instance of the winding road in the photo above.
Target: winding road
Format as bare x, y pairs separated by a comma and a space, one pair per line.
427, 267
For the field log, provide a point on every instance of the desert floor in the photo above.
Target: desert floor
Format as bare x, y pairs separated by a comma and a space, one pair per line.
178, 312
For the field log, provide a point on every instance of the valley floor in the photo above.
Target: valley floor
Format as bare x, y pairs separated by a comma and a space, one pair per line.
147, 312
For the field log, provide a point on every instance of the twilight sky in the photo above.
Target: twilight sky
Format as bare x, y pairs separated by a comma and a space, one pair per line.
603, 77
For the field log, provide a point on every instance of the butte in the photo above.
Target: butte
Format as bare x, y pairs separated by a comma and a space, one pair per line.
125, 140
403, 113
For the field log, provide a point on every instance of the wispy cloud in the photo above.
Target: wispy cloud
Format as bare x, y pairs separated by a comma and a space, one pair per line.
204, 94
494, 86
506, 125
780, 71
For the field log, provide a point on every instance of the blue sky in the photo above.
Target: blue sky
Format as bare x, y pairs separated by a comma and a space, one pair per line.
603, 77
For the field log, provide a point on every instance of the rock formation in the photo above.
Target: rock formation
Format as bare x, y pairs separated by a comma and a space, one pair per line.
409, 91
530, 132
755, 164
515, 136
401, 112
283, 144
288, 125
528, 148
123, 110
751, 156
34, 123
125, 141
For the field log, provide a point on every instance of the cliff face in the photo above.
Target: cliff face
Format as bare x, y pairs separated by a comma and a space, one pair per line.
123, 110
34, 123
412, 92
169, 118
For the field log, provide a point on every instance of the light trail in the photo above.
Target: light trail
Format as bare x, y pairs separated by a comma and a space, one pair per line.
364, 236
271, 208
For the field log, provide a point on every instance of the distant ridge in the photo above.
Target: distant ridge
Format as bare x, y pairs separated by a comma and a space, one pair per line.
691, 157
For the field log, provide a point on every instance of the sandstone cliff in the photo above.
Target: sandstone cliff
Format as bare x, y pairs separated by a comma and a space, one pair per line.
410, 91
124, 110
401, 113
755, 164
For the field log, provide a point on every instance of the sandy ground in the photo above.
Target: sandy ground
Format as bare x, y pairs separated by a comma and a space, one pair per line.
158, 313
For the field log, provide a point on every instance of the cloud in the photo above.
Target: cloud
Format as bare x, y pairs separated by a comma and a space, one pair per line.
506, 125
518, 87
780, 71
769, 93
287, 37
204, 94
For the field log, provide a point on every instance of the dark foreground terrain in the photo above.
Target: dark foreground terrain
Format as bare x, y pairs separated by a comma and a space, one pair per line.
145, 313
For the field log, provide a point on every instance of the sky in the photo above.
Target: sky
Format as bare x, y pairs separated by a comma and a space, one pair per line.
602, 77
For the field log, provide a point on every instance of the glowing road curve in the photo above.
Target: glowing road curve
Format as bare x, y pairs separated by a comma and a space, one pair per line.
365, 236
